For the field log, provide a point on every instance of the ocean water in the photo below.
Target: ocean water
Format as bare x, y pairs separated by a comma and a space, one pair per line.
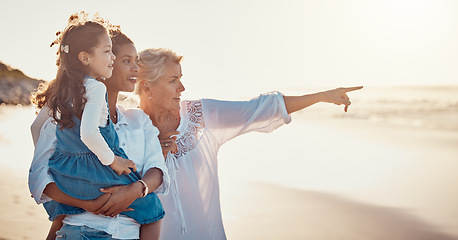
434, 107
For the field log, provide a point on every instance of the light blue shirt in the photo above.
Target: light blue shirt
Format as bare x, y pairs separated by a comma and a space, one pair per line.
137, 136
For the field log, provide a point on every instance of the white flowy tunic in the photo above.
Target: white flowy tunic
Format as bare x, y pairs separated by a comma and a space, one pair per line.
193, 204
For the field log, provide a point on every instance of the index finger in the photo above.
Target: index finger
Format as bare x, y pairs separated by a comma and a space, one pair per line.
349, 89
169, 134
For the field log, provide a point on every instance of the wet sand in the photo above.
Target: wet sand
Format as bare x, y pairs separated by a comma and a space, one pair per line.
341, 179
262, 211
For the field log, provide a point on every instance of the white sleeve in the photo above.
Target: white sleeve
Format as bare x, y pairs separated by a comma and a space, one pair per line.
37, 124
228, 119
39, 176
90, 120
153, 155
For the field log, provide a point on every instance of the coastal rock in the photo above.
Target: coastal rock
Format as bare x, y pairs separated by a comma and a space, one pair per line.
15, 86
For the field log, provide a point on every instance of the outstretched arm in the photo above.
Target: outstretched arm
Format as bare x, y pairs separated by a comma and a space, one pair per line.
337, 96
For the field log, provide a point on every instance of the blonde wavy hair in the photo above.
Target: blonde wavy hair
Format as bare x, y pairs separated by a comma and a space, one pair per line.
152, 62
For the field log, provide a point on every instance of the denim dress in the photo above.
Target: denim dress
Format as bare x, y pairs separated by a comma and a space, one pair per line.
79, 173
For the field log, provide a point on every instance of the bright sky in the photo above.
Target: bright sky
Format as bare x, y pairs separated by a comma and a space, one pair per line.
250, 47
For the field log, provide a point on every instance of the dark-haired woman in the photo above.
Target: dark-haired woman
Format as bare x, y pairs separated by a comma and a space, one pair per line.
145, 152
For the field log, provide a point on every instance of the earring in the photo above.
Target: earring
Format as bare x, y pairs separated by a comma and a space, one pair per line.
149, 97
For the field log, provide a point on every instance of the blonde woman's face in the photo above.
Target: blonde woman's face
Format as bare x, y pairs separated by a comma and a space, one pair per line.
166, 90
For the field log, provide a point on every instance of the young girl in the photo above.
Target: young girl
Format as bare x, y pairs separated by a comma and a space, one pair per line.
77, 102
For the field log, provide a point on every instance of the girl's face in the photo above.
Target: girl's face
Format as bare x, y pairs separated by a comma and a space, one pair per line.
125, 70
100, 61
166, 90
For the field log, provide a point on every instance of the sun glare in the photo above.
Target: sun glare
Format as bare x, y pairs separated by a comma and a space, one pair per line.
407, 20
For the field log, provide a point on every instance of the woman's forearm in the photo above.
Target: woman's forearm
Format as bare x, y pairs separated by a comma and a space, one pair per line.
57, 195
296, 103
153, 178
336, 96
89, 205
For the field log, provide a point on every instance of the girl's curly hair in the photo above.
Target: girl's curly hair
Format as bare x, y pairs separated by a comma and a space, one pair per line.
65, 95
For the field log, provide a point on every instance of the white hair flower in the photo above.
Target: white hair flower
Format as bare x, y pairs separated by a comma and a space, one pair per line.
64, 48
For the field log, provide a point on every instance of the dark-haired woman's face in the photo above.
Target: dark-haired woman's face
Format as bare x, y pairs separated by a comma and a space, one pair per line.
125, 69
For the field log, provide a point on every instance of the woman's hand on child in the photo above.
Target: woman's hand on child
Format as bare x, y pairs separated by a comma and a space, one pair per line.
121, 198
96, 204
123, 166
339, 96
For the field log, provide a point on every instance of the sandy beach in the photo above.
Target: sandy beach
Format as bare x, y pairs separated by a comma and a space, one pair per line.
312, 179
371, 186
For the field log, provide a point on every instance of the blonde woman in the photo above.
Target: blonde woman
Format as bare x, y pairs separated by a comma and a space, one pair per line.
193, 204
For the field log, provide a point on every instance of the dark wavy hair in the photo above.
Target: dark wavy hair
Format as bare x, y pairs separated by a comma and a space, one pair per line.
118, 39
65, 95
